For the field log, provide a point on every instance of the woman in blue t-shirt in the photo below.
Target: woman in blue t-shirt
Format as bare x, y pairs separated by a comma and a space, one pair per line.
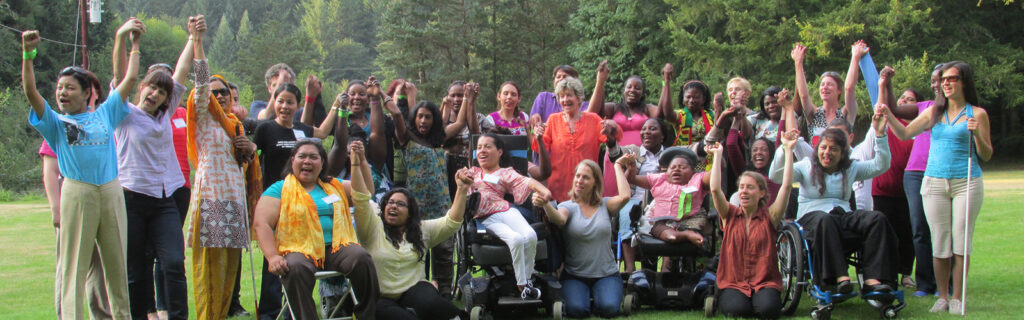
92, 201
960, 129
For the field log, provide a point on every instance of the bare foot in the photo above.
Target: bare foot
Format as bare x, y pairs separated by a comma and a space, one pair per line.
693, 237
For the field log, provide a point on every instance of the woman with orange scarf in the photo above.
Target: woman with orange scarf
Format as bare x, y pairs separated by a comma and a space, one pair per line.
220, 205
303, 225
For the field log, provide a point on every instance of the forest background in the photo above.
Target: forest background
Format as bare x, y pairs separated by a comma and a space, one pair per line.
433, 42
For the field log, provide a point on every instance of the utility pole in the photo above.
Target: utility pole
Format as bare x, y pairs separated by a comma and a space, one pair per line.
85, 33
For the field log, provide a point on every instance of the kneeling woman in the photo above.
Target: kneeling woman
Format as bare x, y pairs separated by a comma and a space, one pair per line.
748, 273
830, 226
298, 219
590, 265
398, 240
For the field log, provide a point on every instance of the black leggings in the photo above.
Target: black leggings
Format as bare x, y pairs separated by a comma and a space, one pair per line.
424, 300
763, 304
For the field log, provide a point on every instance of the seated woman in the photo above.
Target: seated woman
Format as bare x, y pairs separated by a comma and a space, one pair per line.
830, 227
586, 219
303, 225
748, 271
498, 216
678, 195
398, 240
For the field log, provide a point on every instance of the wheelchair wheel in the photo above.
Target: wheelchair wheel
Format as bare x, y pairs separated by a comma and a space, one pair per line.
889, 312
557, 310
476, 313
791, 253
709, 306
820, 313
630, 303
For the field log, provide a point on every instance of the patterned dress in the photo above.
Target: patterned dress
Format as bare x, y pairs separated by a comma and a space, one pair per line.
426, 178
218, 192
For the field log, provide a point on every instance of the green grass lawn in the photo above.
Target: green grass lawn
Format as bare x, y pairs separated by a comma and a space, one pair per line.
996, 282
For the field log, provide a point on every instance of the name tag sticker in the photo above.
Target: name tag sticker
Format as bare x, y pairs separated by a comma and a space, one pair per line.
492, 179
689, 189
299, 135
331, 199
179, 123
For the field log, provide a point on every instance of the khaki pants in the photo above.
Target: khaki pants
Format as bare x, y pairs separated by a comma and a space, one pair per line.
945, 201
92, 219
99, 305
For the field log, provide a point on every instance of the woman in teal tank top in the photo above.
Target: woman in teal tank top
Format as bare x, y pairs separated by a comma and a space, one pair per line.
960, 129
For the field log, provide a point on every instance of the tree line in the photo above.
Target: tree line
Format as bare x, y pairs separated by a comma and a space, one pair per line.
434, 42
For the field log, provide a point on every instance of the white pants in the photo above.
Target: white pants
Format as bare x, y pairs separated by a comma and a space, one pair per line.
945, 202
520, 238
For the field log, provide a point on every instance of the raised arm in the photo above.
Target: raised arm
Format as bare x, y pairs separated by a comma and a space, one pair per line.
339, 149
29, 41
469, 103
803, 93
618, 201
313, 87
457, 212
327, 125
597, 104
120, 59
461, 118
859, 49
542, 171
184, 65
132, 74
665, 101
778, 208
718, 197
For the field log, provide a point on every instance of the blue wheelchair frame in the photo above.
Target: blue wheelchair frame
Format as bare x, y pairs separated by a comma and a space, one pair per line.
826, 300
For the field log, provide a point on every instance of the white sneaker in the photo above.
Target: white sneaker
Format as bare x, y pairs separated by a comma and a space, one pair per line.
941, 305
955, 307
530, 293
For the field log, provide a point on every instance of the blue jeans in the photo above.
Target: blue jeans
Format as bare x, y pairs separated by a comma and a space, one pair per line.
577, 291
924, 275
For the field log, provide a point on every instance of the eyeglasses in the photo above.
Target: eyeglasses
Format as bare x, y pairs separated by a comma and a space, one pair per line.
225, 92
951, 79
400, 204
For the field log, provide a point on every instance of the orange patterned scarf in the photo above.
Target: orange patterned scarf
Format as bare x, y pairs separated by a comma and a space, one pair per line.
298, 226
232, 127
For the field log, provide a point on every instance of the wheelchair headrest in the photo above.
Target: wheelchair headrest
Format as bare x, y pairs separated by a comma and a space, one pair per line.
675, 152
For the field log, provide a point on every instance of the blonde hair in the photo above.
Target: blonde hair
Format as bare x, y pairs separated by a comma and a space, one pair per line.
595, 170
742, 82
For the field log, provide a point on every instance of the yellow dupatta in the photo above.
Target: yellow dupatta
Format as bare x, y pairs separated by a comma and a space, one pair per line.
298, 227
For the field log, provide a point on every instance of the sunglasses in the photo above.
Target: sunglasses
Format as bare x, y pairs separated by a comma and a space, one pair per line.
159, 65
225, 92
951, 79
73, 69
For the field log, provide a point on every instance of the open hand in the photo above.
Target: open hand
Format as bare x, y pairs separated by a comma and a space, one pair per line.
29, 40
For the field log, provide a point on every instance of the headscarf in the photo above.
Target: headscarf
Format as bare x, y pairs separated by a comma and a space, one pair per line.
298, 226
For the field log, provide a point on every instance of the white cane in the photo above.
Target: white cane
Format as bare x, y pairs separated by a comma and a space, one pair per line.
967, 225
248, 240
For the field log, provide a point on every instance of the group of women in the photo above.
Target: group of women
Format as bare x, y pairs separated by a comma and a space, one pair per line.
125, 196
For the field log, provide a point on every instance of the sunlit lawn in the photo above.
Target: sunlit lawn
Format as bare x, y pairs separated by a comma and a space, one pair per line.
996, 282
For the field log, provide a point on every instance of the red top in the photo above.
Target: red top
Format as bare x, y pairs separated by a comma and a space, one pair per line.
569, 147
748, 261
890, 183
180, 145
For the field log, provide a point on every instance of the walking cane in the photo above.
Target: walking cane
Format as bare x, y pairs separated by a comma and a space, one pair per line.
967, 224
248, 240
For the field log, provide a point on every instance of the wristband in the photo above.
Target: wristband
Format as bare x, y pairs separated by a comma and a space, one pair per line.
401, 96
344, 114
29, 55
135, 51
310, 99
374, 102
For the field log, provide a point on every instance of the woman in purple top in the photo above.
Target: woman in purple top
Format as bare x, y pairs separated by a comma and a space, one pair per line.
546, 102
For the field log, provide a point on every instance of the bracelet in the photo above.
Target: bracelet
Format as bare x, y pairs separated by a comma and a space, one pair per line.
29, 55
374, 102
310, 99
135, 51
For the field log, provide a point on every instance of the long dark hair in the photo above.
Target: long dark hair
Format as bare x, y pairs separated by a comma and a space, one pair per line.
413, 233
700, 86
970, 91
436, 135
319, 149
818, 172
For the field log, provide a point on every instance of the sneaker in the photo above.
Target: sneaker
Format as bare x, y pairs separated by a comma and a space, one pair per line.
639, 279
941, 305
955, 307
920, 293
530, 293
844, 287
908, 282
